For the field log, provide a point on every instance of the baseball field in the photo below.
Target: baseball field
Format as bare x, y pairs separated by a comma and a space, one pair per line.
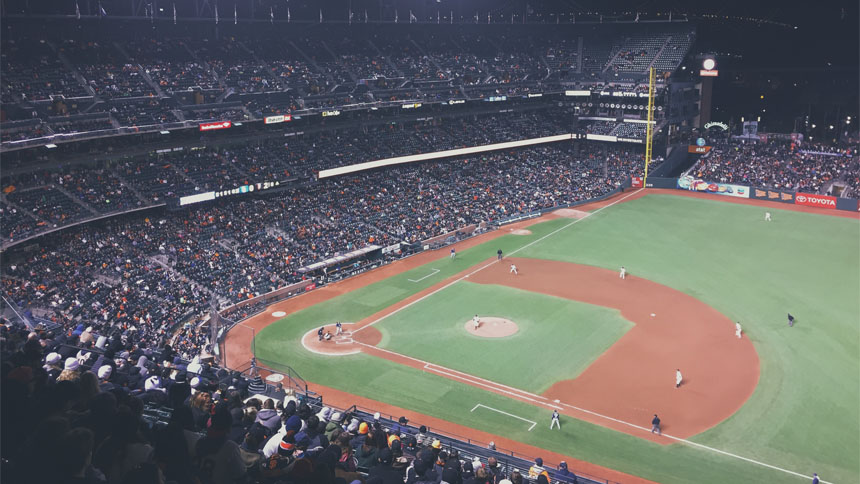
773, 406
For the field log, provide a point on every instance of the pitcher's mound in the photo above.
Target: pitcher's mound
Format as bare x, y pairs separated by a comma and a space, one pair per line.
570, 213
521, 232
491, 327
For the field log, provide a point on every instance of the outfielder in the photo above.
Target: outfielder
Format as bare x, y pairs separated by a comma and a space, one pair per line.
477, 321
554, 420
678, 378
623, 273
738, 329
767, 216
514, 269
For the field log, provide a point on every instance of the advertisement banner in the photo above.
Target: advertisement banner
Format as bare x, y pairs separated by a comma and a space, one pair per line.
391, 248
283, 118
310, 287
701, 150
772, 195
216, 125
636, 182
697, 185
812, 200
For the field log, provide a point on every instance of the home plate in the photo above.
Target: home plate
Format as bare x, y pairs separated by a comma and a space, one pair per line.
279, 314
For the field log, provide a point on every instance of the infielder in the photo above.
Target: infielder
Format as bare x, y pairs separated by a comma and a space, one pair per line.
678, 378
623, 273
655, 425
453, 253
514, 269
477, 321
767, 216
738, 329
554, 420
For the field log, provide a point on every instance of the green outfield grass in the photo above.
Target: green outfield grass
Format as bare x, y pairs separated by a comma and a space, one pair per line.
804, 414
557, 338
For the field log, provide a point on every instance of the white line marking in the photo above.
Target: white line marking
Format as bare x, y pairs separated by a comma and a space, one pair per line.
435, 271
536, 399
506, 413
446, 286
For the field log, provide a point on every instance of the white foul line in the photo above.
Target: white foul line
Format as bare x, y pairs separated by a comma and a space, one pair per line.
446, 286
435, 271
508, 414
536, 399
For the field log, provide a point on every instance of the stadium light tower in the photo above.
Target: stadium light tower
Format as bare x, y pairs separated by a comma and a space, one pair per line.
707, 73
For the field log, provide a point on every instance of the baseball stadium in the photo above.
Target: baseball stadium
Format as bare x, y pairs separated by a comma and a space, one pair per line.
455, 242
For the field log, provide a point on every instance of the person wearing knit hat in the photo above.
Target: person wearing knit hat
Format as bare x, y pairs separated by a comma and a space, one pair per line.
195, 384
363, 428
353, 426
436, 444
53, 359
331, 431
105, 372
70, 370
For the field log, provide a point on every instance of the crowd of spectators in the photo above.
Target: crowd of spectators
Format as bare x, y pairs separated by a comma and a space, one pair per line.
776, 165
326, 70
156, 270
110, 408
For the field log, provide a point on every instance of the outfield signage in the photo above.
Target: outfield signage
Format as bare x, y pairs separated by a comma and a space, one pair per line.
577, 93
699, 150
772, 195
629, 140
331, 113
283, 118
697, 185
214, 126
706, 73
636, 182
813, 200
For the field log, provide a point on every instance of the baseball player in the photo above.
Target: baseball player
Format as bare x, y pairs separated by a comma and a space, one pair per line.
790, 320
623, 273
655, 425
453, 253
499, 254
738, 329
339, 327
320, 333
678, 378
476, 321
514, 269
767, 216
554, 420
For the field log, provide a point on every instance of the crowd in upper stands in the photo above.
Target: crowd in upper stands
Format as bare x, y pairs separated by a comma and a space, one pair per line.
778, 164
106, 407
147, 81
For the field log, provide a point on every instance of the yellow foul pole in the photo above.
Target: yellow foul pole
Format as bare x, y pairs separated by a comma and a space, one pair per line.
649, 130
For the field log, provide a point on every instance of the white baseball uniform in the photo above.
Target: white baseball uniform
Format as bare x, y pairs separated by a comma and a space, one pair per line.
767, 216
477, 321
514, 269
738, 330
554, 420
678, 378
623, 273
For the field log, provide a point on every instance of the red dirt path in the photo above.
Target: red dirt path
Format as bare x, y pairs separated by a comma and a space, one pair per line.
238, 343
635, 378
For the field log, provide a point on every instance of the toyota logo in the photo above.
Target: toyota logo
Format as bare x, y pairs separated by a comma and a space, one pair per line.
801, 198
